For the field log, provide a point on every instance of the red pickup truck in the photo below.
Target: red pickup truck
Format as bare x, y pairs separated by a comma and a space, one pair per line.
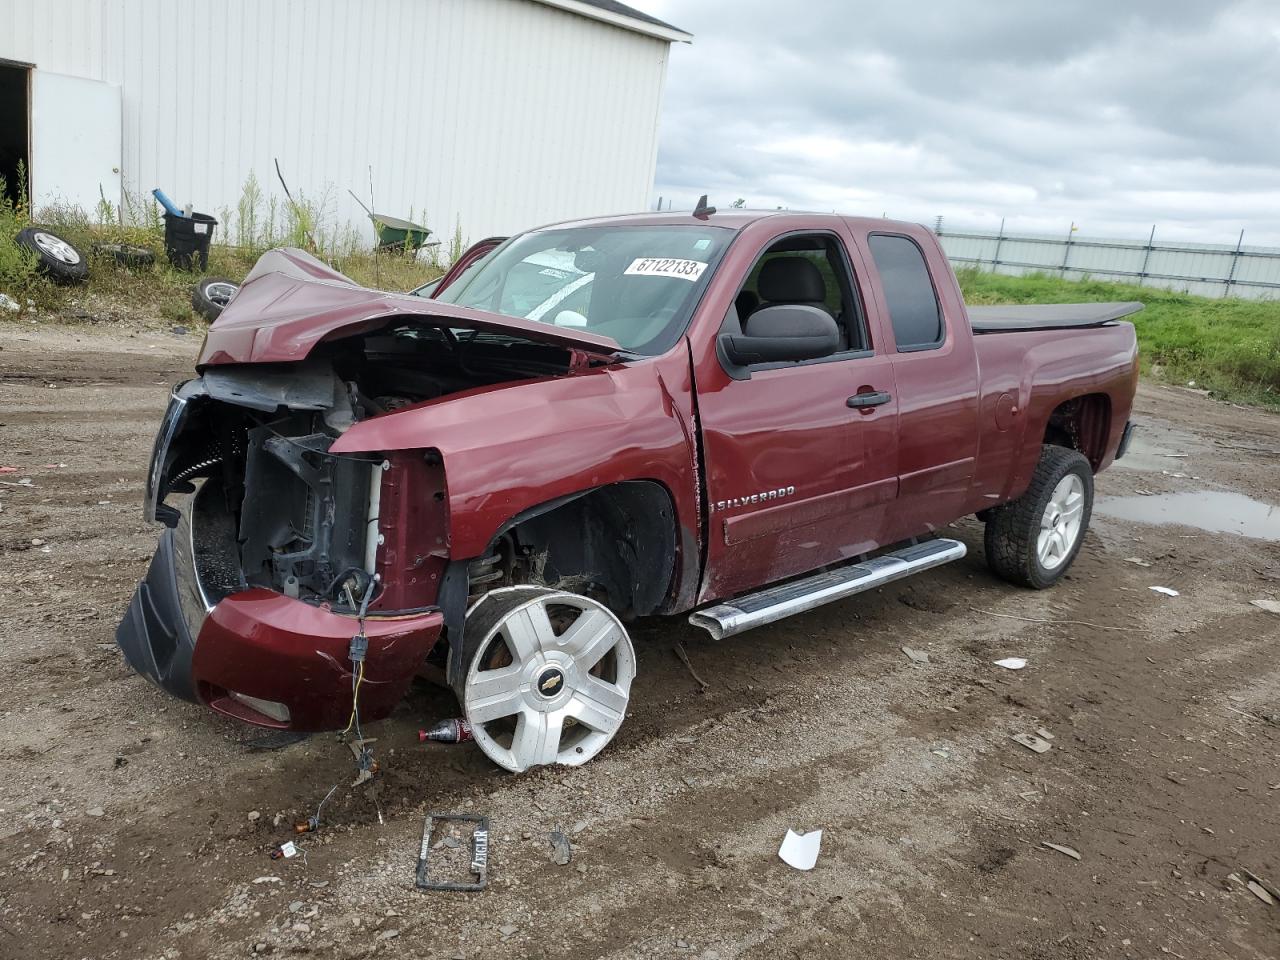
736, 415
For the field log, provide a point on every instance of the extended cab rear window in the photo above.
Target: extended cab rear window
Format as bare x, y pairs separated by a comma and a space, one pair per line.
908, 290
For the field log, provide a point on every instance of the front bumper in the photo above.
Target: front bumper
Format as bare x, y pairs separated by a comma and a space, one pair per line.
258, 645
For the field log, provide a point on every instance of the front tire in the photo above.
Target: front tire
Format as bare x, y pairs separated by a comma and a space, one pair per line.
548, 676
1033, 540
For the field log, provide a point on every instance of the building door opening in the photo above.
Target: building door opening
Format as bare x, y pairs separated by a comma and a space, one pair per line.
15, 128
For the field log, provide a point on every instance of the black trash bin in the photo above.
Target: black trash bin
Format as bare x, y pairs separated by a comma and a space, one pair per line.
186, 240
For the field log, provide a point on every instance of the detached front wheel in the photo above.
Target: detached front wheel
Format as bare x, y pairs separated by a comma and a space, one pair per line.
1033, 540
548, 676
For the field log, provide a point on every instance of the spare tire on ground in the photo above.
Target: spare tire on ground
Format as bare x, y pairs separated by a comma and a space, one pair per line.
211, 294
57, 258
126, 254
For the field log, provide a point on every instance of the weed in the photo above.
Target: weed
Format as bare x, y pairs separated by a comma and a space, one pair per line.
1231, 347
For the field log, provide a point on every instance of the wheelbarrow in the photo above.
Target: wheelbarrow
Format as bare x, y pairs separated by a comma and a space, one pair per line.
395, 234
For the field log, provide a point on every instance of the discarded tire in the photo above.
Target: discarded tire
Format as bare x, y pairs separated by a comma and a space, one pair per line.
211, 295
57, 258
126, 254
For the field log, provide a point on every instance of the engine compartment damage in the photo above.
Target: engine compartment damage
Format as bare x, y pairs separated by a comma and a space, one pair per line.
268, 504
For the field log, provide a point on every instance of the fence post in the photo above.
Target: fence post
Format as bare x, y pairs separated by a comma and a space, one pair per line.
995, 258
1066, 252
1146, 258
1231, 274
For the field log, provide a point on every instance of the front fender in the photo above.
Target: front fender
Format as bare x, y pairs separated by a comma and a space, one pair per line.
509, 448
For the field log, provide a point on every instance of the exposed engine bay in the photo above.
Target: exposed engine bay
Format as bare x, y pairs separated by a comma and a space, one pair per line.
267, 504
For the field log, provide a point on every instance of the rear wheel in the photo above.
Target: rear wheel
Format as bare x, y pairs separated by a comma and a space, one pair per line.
548, 676
1033, 540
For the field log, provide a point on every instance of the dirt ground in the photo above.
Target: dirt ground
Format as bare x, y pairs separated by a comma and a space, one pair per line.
137, 826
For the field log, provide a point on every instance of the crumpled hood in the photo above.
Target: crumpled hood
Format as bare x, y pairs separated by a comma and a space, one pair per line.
291, 301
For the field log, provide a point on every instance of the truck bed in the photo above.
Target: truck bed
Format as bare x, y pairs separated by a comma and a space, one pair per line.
1047, 316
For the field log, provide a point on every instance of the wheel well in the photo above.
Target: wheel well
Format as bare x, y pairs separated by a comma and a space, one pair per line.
1082, 423
616, 543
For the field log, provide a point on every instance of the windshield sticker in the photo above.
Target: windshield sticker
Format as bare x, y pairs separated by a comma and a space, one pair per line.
689, 270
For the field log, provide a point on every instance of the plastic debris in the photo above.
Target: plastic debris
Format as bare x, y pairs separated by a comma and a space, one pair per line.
1032, 742
1260, 892
1271, 606
1011, 663
1167, 591
8, 303
915, 656
267, 880
800, 850
1138, 561
1270, 888
1071, 852
447, 731
561, 850
1043, 733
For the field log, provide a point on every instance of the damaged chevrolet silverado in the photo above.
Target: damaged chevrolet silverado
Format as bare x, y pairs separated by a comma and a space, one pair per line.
737, 416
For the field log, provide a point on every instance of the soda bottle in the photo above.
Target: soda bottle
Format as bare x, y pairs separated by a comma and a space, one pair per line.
447, 731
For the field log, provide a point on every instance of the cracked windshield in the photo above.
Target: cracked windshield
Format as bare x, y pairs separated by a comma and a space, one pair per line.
637, 285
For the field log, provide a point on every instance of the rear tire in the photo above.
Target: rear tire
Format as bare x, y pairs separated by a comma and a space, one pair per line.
1033, 540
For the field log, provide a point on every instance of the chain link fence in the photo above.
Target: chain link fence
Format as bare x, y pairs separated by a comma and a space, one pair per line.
1206, 269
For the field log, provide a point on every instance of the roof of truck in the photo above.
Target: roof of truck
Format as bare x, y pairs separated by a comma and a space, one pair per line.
733, 218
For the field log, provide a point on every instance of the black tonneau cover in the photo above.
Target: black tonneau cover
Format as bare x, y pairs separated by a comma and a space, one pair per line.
1047, 316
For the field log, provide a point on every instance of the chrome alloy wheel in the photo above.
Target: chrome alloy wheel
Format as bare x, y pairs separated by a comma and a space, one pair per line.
1060, 524
550, 679
56, 248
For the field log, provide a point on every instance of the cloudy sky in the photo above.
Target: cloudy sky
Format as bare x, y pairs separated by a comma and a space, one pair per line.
1112, 115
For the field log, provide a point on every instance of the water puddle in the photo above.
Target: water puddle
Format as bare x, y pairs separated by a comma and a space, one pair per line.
1216, 511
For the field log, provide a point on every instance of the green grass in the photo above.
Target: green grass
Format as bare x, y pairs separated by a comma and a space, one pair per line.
161, 293
1230, 347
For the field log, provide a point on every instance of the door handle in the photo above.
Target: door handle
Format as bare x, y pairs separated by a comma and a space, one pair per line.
861, 401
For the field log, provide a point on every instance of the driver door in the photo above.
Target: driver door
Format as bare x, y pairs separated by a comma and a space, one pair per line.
799, 475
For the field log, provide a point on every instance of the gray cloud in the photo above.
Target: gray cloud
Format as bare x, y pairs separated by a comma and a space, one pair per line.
1113, 116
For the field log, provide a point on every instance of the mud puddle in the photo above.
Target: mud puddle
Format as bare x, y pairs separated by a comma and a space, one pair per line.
1216, 511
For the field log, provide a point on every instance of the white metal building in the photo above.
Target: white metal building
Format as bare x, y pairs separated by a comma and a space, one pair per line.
496, 114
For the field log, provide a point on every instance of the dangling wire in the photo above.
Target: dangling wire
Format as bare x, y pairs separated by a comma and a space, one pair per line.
359, 641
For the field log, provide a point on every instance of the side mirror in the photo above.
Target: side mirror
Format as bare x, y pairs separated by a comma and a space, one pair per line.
782, 333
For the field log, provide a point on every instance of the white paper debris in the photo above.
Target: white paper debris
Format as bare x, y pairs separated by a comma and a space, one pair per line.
1271, 606
1137, 560
1167, 591
1071, 852
1011, 663
288, 849
915, 656
800, 850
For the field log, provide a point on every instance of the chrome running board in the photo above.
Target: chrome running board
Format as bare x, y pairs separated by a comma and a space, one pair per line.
734, 616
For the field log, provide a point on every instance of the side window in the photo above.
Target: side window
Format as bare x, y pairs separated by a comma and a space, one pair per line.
908, 290
808, 269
